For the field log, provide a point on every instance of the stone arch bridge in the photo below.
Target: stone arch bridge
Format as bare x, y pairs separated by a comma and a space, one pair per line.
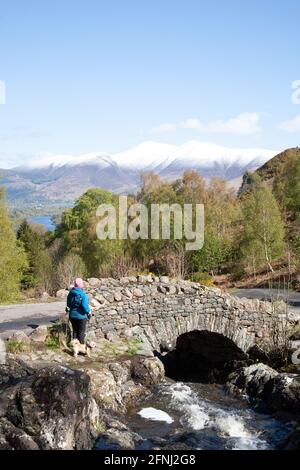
159, 310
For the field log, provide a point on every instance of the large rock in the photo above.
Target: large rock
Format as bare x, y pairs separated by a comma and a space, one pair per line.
148, 371
62, 294
13, 371
19, 337
283, 393
117, 385
117, 435
57, 407
251, 380
39, 335
52, 409
105, 390
277, 391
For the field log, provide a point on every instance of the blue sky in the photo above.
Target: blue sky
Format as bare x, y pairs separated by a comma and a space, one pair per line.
94, 75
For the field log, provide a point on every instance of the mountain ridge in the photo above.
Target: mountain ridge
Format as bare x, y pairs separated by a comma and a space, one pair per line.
63, 178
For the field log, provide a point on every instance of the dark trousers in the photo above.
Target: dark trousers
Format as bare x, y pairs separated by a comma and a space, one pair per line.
79, 327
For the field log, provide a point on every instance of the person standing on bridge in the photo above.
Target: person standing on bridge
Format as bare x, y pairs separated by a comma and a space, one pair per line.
79, 310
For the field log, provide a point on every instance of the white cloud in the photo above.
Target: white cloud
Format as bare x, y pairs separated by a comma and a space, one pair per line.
293, 125
164, 128
243, 124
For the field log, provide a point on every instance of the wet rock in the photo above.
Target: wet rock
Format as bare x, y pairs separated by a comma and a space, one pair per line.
115, 386
148, 371
117, 435
277, 391
283, 393
52, 409
251, 380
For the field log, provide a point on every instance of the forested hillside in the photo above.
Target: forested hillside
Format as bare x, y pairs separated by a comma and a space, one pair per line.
247, 235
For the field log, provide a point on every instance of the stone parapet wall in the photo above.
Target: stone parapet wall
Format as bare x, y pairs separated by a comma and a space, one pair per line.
159, 310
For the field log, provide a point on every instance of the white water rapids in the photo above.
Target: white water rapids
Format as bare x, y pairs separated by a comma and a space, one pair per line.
204, 417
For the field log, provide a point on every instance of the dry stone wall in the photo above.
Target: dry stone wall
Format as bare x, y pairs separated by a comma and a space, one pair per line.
158, 310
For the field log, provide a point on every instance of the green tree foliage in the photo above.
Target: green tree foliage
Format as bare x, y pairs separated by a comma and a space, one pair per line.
287, 187
262, 239
40, 269
213, 254
78, 231
246, 230
12, 257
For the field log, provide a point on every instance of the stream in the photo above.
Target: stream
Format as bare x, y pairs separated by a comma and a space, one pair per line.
202, 417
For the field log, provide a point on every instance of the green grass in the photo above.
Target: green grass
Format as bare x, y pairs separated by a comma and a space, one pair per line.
13, 346
133, 346
52, 343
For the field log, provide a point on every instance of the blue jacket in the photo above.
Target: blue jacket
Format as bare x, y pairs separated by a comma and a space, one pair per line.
78, 304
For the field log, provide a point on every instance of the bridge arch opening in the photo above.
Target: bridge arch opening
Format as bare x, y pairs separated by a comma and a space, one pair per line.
202, 356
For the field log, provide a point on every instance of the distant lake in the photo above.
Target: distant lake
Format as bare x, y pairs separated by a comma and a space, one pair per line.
44, 220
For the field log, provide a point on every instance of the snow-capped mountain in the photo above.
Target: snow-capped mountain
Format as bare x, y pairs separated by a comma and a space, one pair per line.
65, 177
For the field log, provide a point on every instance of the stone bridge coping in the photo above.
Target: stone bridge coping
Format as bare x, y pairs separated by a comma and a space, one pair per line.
117, 291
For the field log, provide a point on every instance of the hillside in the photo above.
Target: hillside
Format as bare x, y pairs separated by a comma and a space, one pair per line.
274, 167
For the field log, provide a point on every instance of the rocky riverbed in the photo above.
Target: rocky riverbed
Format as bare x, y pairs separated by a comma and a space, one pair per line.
59, 407
50, 400
118, 399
